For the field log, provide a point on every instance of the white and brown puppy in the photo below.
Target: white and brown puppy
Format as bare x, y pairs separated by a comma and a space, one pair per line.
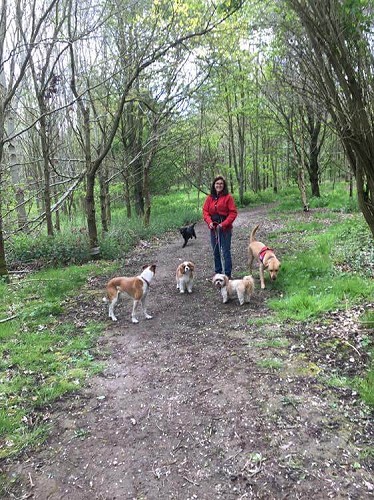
136, 287
185, 276
265, 255
231, 289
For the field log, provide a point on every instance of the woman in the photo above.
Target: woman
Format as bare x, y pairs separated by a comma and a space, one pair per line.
219, 212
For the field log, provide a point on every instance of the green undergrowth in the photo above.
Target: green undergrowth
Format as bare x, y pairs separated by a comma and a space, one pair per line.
324, 270
42, 356
70, 245
328, 271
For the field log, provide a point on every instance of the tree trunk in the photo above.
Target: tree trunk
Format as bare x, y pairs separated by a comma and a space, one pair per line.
126, 191
314, 129
91, 216
147, 199
302, 187
138, 187
364, 190
275, 173
232, 149
57, 211
3, 264
104, 202
14, 163
46, 169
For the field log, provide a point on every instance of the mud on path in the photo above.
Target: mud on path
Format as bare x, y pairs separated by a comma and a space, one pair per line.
184, 408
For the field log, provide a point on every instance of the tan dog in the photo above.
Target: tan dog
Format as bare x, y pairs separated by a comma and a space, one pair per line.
230, 289
185, 276
136, 287
266, 257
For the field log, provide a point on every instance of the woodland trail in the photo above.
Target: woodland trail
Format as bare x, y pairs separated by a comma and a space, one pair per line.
186, 409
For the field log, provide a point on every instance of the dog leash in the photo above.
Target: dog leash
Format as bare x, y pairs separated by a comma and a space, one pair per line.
218, 242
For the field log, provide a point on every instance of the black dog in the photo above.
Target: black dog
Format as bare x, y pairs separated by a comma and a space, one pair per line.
188, 232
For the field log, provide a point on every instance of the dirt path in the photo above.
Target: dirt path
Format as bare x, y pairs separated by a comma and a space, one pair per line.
185, 411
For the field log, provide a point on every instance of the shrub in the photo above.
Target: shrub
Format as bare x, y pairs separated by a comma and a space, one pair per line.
62, 249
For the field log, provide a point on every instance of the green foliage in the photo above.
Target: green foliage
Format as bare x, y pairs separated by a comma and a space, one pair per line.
169, 212
315, 279
337, 381
276, 343
366, 387
353, 248
271, 363
71, 246
41, 360
367, 320
250, 198
333, 196
67, 248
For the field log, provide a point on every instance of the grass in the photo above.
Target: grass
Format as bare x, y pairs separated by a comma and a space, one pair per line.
321, 275
365, 387
42, 359
277, 343
327, 271
270, 363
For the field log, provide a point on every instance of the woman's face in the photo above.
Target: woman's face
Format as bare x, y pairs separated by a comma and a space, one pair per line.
218, 186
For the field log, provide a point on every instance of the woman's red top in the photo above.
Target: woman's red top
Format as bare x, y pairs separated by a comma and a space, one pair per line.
223, 206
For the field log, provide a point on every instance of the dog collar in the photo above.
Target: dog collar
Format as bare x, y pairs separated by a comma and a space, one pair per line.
262, 253
141, 277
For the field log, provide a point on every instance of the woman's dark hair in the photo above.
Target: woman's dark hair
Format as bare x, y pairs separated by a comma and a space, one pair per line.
225, 189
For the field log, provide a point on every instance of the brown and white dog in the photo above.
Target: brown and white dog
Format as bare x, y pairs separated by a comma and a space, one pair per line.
136, 287
230, 289
265, 255
185, 276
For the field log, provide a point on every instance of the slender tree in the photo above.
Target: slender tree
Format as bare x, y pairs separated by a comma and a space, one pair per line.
334, 51
14, 61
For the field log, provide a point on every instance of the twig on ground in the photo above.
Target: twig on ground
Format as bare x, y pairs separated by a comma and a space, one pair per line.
233, 456
353, 347
31, 481
190, 481
9, 318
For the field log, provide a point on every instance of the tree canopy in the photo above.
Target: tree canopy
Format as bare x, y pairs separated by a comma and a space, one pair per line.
153, 94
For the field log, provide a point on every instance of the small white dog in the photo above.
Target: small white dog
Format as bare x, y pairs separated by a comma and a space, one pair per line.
230, 289
185, 276
136, 287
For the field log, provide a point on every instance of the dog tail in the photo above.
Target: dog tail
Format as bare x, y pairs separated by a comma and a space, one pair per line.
253, 234
249, 282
